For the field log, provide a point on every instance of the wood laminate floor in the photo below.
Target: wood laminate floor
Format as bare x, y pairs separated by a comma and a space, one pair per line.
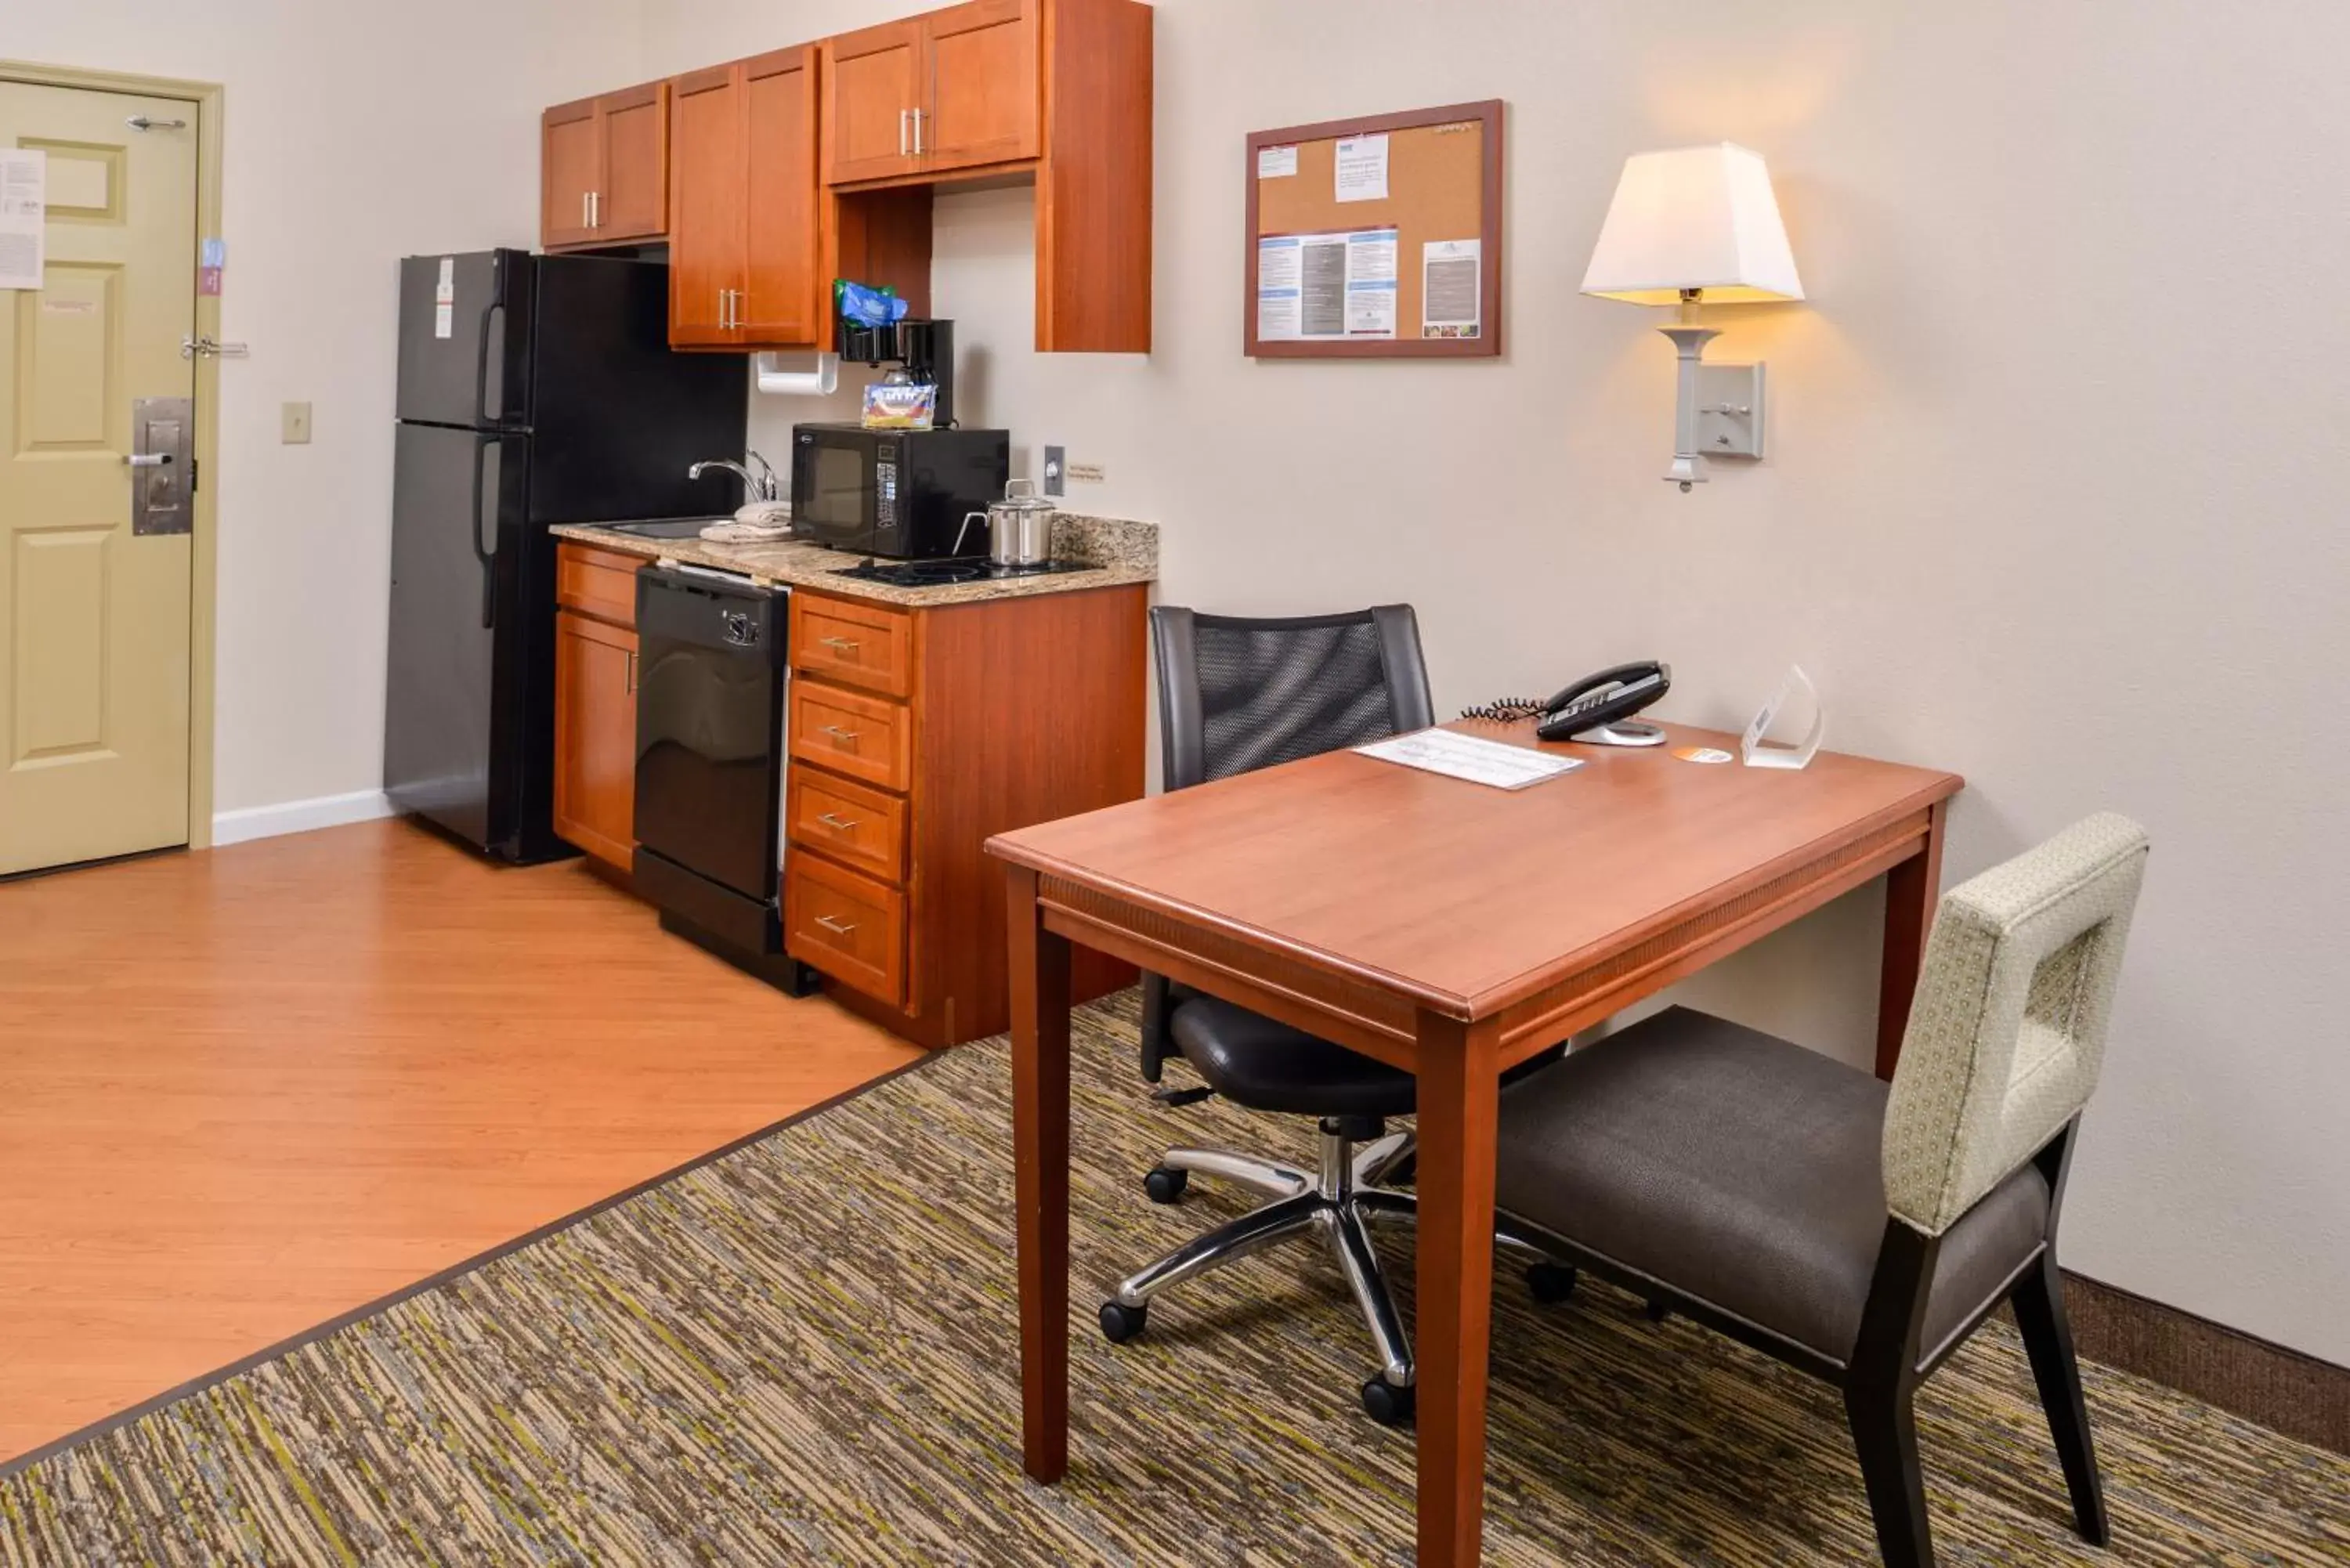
247, 1090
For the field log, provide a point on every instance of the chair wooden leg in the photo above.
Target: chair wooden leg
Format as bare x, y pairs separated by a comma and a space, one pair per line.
1885, 1432
2039, 1305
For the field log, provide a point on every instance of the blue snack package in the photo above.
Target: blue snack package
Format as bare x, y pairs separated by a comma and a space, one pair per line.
864, 307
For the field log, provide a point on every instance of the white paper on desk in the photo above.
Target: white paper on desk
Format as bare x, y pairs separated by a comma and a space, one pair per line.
1460, 756
23, 187
1362, 167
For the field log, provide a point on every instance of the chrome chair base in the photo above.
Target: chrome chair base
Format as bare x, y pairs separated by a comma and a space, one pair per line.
1340, 1202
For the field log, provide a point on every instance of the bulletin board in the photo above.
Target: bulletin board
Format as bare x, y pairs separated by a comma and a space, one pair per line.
1378, 237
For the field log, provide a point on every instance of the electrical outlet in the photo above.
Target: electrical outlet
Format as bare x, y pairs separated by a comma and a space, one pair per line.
1087, 472
1057, 470
293, 424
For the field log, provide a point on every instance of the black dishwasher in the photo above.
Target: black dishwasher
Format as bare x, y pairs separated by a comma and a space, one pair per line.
710, 761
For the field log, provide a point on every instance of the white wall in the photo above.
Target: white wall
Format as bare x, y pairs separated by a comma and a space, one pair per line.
2053, 499
355, 135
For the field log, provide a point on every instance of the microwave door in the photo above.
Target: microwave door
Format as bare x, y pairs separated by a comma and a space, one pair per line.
832, 494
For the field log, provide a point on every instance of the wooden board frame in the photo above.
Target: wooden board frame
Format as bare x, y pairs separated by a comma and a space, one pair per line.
1488, 115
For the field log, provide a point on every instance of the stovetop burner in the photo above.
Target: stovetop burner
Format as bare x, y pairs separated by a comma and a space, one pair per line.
953, 569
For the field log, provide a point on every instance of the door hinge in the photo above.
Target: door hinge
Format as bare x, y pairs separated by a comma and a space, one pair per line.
195, 474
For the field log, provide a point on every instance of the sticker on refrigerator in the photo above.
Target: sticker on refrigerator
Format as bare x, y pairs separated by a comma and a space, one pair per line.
445, 299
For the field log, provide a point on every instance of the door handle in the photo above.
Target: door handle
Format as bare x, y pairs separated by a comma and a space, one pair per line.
838, 824
839, 928
488, 558
147, 459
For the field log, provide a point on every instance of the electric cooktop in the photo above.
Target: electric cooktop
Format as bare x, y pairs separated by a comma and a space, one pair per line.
952, 569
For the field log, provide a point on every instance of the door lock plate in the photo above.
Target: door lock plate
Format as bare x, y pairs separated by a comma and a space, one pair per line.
163, 465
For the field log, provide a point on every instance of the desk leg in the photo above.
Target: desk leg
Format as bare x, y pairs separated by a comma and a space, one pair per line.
1040, 1146
1911, 890
1460, 1083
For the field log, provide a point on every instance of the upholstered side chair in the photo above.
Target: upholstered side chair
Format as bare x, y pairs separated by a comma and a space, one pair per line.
1857, 1231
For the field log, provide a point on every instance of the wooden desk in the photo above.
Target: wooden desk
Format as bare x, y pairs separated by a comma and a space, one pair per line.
1443, 927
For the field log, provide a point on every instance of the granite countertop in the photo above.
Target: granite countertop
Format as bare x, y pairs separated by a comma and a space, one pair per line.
1124, 551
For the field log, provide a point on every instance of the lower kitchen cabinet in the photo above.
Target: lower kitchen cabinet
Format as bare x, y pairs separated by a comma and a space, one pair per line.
596, 703
916, 734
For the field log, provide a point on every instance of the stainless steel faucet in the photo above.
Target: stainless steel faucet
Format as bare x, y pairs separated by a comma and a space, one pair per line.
760, 486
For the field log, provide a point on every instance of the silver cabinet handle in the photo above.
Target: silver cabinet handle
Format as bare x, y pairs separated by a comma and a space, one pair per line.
147, 459
632, 669
586, 218
595, 209
837, 733
902, 115
844, 644
918, 133
838, 824
839, 928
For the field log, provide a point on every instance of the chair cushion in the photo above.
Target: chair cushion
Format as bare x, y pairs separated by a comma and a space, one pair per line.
1266, 1065
1744, 1170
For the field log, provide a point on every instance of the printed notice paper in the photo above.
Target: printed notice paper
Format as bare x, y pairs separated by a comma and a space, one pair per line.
1451, 274
24, 183
1272, 162
1371, 283
1362, 165
1278, 263
1467, 757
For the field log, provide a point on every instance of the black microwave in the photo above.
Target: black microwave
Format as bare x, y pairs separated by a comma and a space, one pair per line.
896, 493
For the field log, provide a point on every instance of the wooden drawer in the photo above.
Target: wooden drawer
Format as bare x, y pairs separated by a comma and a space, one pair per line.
601, 583
867, 738
849, 822
869, 646
850, 927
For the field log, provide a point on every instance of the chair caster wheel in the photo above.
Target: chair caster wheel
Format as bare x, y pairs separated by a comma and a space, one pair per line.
1388, 1404
1550, 1283
1658, 1312
1120, 1323
1166, 1186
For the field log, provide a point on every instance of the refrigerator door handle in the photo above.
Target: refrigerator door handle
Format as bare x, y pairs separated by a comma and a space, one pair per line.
489, 557
483, 414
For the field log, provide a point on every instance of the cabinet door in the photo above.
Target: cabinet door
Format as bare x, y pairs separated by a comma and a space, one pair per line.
632, 201
781, 292
596, 737
983, 104
705, 216
873, 85
568, 155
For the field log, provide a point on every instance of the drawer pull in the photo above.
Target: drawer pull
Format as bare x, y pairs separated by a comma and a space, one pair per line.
841, 735
837, 927
841, 644
838, 824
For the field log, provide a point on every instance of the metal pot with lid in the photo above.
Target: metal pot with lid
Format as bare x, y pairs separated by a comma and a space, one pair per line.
1019, 527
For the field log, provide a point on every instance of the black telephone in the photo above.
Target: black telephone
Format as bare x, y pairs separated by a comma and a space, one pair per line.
1597, 702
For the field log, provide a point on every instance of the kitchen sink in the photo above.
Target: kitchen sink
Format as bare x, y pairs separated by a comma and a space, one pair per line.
664, 527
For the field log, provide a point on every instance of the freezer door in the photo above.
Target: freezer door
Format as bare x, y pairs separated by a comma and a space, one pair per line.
464, 339
450, 488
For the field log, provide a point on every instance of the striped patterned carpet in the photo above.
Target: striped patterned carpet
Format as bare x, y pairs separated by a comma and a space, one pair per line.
804, 1354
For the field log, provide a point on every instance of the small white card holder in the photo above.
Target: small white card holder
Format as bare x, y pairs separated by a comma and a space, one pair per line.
1761, 754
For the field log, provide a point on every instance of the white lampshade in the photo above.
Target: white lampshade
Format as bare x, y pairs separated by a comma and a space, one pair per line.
1695, 217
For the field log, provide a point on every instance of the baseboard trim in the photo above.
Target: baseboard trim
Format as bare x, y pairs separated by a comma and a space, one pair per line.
2281, 1388
298, 815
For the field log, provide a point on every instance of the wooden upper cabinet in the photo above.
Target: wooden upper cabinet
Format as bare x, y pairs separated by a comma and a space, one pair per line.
783, 295
981, 60
873, 86
706, 220
567, 148
603, 170
632, 200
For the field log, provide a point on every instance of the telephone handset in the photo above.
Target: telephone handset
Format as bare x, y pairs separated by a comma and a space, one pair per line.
1592, 709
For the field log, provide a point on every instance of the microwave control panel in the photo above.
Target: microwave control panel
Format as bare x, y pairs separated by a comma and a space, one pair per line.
885, 495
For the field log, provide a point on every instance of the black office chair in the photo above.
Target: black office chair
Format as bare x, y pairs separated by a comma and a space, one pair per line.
1236, 695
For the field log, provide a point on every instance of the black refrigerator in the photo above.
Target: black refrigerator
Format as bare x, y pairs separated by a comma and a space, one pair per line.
533, 390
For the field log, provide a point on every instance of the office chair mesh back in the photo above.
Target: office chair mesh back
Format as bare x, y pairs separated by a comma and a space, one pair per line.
1274, 692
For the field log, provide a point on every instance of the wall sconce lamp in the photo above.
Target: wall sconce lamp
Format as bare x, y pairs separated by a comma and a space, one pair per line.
1695, 225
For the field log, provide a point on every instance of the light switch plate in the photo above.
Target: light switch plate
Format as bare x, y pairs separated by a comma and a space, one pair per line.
1087, 472
1730, 410
293, 424
1057, 470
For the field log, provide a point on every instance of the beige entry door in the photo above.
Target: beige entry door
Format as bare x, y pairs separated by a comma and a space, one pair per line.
94, 615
